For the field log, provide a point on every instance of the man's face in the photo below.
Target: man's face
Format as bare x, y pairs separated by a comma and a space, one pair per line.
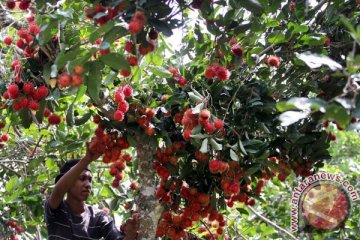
82, 187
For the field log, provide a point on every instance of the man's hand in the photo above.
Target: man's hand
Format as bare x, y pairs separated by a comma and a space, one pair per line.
92, 152
131, 228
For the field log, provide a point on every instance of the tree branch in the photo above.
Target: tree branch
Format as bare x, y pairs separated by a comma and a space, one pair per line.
9, 169
7, 20
268, 221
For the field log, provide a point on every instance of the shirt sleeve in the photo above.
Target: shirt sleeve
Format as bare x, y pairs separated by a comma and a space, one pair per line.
51, 213
108, 229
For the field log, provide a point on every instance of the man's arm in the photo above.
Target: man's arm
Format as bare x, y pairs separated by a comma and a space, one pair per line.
69, 178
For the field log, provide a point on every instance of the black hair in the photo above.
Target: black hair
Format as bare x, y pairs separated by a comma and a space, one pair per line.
66, 167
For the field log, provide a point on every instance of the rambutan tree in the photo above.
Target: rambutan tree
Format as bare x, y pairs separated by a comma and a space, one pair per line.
187, 130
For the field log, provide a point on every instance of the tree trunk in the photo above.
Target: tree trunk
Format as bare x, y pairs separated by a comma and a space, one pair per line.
149, 208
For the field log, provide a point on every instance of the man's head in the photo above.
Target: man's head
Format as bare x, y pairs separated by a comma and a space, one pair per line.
66, 167
82, 186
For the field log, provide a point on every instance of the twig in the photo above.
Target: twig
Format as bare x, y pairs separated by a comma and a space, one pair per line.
2, 165
36, 146
20, 161
266, 220
207, 228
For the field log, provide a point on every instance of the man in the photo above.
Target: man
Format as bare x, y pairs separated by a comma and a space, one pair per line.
72, 218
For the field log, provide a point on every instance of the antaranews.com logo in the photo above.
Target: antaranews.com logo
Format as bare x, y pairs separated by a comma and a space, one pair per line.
322, 200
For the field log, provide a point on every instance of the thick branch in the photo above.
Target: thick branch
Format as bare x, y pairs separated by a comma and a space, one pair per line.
268, 221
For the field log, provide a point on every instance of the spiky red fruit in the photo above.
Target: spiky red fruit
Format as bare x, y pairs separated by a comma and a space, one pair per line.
133, 186
4, 137
273, 61
8, 40
327, 41
132, 60
47, 112
119, 115
125, 72
13, 91
129, 47
34, 105
237, 50
292, 6
153, 34
28, 88
219, 124
43, 92
127, 90
10, 4
24, 4
205, 114
54, 119
34, 29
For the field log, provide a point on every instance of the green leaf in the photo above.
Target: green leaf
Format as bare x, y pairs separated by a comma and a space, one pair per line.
277, 37
94, 80
70, 115
115, 60
67, 56
25, 116
12, 184
241, 146
161, 26
195, 97
215, 145
114, 34
99, 31
290, 117
253, 6
83, 119
80, 93
296, 28
314, 61
160, 71
302, 103
337, 113
252, 170
204, 146
233, 155
47, 31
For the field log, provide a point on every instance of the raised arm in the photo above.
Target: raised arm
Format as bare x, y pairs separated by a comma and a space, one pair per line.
69, 178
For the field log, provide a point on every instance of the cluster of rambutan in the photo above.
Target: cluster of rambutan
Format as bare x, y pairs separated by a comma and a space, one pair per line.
26, 38
272, 61
25, 95
176, 76
284, 168
16, 68
75, 79
102, 14
216, 166
197, 207
123, 106
217, 71
232, 188
22, 4
145, 115
110, 145
15, 229
236, 49
165, 156
53, 118
190, 120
